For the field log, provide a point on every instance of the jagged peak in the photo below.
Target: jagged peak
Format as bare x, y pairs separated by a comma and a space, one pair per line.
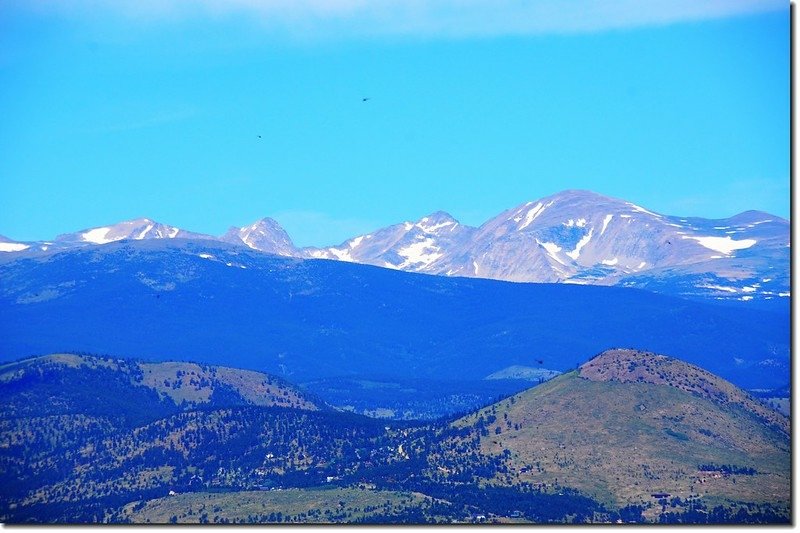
436, 220
264, 223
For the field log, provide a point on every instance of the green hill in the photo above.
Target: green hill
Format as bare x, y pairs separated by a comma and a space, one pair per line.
628, 424
627, 436
134, 390
316, 506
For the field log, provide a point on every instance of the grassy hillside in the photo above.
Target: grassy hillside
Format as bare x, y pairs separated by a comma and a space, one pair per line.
316, 506
135, 390
629, 424
92, 439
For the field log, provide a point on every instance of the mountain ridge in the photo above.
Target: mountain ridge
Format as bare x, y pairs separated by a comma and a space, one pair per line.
318, 319
574, 236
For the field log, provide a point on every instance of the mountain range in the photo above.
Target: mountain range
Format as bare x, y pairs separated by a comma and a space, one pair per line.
576, 237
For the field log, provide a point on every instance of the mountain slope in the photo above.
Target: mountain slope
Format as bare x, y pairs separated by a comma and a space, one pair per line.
264, 235
629, 424
223, 304
424, 246
583, 237
105, 386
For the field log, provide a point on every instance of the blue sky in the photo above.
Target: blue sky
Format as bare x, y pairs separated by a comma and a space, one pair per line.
117, 110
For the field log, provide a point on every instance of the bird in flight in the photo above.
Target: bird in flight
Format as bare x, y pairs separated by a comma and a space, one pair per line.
365, 99
259, 136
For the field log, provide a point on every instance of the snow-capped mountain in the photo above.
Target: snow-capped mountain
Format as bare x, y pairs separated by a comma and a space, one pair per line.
422, 246
586, 238
570, 237
264, 235
136, 229
583, 237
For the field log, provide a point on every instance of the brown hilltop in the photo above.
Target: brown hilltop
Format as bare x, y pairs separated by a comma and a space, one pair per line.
635, 366
628, 424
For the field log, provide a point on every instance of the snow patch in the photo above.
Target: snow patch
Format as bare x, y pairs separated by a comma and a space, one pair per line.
581, 222
422, 252
356, 241
144, 232
533, 213
725, 245
643, 210
341, 255
746, 298
15, 247
173, 232
766, 280
552, 250
717, 288
97, 236
475, 266
748, 289
641, 265
784, 294
430, 229
248, 242
576, 281
610, 262
205, 256
581, 243
606, 220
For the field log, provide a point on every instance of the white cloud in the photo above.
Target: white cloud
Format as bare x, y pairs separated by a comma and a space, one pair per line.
432, 18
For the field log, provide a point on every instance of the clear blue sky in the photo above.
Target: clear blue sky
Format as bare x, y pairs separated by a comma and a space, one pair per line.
110, 111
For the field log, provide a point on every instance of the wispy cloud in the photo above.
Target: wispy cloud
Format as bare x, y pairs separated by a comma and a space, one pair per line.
430, 18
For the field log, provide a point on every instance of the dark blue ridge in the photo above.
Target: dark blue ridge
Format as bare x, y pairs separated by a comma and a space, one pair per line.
317, 319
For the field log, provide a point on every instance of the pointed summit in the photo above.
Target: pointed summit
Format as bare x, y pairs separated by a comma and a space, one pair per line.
436, 221
265, 235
